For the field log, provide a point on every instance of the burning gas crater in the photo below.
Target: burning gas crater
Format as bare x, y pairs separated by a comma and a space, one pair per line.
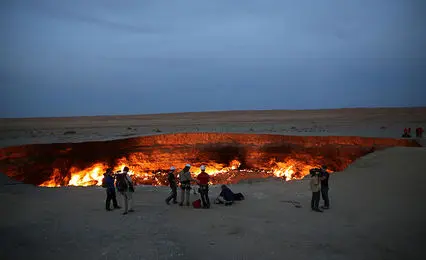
229, 158
218, 172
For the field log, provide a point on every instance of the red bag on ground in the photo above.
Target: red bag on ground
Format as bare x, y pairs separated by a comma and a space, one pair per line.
196, 204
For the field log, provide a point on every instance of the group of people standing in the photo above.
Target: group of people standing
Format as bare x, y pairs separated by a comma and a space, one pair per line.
124, 184
407, 132
185, 179
319, 187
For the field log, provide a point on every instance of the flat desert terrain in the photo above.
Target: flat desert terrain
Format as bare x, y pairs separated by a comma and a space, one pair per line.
377, 203
374, 122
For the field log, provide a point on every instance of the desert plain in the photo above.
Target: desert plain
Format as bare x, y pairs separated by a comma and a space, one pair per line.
377, 204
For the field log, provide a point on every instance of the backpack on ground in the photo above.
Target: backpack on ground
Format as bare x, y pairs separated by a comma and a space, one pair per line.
196, 204
239, 196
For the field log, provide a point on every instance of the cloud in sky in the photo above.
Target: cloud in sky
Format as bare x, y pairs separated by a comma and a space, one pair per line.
63, 58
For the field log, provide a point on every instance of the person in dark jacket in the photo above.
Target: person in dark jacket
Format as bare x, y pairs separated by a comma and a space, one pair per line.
324, 176
226, 196
173, 186
110, 190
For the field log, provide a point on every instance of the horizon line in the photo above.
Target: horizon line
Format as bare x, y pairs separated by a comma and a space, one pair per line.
211, 111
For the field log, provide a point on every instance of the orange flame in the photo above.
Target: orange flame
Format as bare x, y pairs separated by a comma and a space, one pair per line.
93, 175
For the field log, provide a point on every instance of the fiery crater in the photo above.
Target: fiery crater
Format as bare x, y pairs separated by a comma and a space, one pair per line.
229, 157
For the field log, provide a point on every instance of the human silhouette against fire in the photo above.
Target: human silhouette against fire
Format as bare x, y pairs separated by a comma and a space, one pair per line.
108, 183
173, 186
185, 185
125, 187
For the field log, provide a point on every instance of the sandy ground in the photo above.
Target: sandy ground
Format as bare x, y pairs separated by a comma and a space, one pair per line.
378, 209
385, 122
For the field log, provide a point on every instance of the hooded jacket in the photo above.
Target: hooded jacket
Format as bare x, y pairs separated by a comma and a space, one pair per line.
227, 194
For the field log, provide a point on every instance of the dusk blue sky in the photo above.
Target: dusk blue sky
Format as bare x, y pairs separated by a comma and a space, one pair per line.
100, 57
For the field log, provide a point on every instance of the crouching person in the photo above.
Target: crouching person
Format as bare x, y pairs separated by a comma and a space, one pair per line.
185, 185
226, 196
108, 183
125, 187
203, 181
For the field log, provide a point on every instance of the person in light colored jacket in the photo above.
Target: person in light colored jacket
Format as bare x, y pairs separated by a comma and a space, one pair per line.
126, 189
185, 185
316, 189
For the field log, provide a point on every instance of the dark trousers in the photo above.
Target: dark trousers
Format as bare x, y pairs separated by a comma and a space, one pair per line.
111, 196
204, 192
173, 194
315, 200
324, 194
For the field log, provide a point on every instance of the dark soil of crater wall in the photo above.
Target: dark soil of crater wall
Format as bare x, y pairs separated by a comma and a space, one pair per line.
34, 163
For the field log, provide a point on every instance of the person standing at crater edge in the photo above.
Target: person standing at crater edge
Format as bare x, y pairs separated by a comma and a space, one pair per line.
185, 185
203, 181
125, 187
324, 176
314, 184
173, 186
108, 183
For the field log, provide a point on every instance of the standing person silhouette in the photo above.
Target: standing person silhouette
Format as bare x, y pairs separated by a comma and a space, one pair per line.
108, 183
173, 186
125, 187
185, 185
324, 176
203, 181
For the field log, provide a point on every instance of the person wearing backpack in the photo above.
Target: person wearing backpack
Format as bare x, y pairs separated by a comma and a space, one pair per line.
125, 187
108, 184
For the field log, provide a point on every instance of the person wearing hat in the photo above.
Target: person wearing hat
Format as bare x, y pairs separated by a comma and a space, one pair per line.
108, 183
185, 185
203, 181
173, 186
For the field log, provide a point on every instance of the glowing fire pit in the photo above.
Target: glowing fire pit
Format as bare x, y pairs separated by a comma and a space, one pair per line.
229, 157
